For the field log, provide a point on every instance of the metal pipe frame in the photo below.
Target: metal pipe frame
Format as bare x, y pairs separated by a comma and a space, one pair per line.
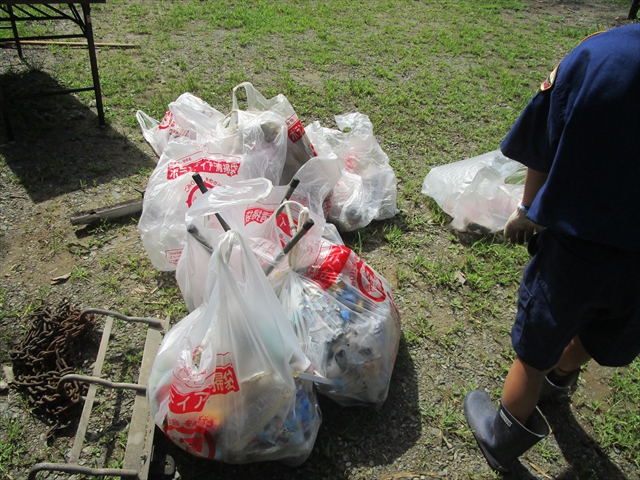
23, 11
68, 468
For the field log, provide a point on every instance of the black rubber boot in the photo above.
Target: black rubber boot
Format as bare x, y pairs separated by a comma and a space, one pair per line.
500, 436
558, 382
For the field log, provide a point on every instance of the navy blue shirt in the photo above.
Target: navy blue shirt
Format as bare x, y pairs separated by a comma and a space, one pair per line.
584, 131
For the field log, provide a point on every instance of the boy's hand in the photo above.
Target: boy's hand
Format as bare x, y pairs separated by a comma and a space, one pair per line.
519, 228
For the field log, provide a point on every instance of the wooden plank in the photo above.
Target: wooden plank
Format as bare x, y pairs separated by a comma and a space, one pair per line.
91, 394
141, 429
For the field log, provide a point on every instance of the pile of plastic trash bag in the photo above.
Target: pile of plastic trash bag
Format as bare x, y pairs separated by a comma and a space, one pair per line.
247, 208
265, 141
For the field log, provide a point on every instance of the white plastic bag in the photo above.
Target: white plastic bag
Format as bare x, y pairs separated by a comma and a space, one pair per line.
222, 385
316, 179
268, 239
204, 231
245, 206
171, 189
188, 116
480, 193
367, 189
299, 147
345, 317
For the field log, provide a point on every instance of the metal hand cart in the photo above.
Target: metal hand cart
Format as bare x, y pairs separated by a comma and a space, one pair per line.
139, 449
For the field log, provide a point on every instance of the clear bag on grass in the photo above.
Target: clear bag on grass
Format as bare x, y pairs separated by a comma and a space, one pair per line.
244, 152
299, 147
367, 189
480, 193
222, 385
188, 116
345, 318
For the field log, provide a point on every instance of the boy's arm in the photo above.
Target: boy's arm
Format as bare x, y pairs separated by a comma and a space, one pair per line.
519, 228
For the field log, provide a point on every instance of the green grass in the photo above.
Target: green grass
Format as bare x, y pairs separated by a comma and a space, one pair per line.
617, 421
12, 446
488, 265
395, 238
79, 274
414, 85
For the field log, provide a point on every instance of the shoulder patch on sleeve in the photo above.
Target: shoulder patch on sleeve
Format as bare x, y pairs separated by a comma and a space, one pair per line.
548, 82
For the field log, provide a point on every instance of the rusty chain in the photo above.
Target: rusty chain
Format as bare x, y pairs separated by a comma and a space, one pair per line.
50, 350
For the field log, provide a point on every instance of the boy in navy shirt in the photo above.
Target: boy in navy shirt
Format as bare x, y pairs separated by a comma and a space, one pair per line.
579, 299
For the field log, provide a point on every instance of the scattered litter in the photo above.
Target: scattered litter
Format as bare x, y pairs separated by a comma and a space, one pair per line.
60, 279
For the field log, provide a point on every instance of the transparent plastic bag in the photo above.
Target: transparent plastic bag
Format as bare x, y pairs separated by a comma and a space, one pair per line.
299, 147
245, 152
188, 116
246, 206
367, 189
269, 238
480, 193
222, 385
204, 231
345, 318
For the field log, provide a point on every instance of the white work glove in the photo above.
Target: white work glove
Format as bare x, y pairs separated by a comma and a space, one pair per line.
519, 228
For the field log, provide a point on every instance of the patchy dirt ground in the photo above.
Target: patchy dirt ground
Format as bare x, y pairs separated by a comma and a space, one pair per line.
62, 163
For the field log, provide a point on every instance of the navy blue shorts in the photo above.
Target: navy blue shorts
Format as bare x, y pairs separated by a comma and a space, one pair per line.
574, 287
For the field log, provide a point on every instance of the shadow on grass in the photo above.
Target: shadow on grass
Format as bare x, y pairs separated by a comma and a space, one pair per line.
349, 438
59, 145
585, 457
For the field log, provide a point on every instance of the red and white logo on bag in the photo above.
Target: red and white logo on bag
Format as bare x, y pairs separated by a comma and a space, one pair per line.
168, 122
369, 283
229, 166
197, 437
196, 431
190, 392
173, 255
328, 271
194, 192
340, 261
260, 215
284, 228
257, 215
295, 130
